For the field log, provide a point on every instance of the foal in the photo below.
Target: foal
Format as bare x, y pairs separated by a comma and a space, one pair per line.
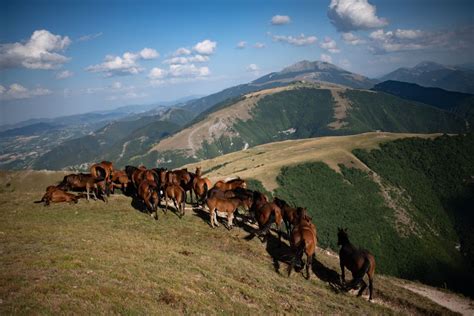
358, 261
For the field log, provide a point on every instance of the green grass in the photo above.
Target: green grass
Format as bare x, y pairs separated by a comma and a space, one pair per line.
97, 258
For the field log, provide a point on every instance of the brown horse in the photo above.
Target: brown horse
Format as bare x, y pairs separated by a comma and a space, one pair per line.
226, 206
177, 195
185, 179
230, 185
141, 174
289, 213
148, 192
120, 180
265, 213
84, 181
303, 240
56, 195
104, 169
201, 186
358, 261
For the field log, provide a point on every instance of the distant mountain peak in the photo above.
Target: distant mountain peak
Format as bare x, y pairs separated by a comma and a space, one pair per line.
306, 65
429, 66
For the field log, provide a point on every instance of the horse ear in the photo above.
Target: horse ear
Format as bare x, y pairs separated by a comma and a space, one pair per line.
345, 229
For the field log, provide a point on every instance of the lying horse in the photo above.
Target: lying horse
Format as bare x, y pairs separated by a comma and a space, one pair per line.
56, 195
303, 239
358, 261
148, 192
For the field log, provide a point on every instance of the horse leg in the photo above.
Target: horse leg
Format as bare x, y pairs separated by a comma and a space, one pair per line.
309, 263
343, 277
166, 204
362, 288
211, 214
87, 191
371, 287
230, 219
215, 218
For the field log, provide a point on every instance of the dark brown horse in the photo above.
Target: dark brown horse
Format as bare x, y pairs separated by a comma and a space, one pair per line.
289, 213
84, 182
265, 213
225, 206
358, 261
185, 179
230, 185
105, 170
148, 192
141, 174
303, 240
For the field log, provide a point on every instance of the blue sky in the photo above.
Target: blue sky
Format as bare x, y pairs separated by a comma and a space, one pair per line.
65, 57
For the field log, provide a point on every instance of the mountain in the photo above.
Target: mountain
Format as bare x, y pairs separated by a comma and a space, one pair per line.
456, 102
295, 111
430, 74
117, 141
301, 71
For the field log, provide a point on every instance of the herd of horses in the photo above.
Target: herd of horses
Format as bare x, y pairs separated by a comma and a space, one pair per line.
223, 199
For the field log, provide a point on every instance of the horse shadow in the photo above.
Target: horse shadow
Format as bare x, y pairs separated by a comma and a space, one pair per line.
327, 275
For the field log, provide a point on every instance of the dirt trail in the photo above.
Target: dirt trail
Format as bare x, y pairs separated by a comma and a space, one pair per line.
453, 302
341, 106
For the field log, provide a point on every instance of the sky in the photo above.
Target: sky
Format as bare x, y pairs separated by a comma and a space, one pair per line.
66, 57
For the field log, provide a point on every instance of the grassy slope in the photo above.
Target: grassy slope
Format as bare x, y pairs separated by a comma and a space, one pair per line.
109, 258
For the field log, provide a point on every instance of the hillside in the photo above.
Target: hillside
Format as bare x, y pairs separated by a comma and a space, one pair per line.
316, 71
295, 111
409, 201
430, 74
109, 258
460, 103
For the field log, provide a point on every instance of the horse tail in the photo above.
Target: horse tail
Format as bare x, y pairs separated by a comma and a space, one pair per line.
206, 189
299, 252
360, 275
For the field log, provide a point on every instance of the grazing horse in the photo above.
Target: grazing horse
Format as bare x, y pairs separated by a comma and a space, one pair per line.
104, 169
358, 261
266, 213
231, 184
289, 213
201, 186
303, 240
148, 192
185, 179
178, 195
224, 205
141, 174
83, 181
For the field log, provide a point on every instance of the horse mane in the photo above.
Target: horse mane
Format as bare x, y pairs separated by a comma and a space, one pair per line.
234, 180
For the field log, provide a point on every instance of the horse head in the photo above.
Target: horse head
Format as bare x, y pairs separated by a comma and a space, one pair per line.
342, 237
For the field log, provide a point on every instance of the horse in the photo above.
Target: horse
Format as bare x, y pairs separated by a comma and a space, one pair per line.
140, 174
265, 213
289, 213
147, 191
185, 179
177, 194
83, 181
303, 240
230, 185
358, 261
105, 170
120, 180
56, 195
224, 205
201, 186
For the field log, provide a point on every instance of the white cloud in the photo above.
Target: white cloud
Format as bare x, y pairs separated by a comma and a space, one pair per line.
259, 45
127, 64
352, 15
205, 47
17, 91
187, 60
330, 45
157, 73
188, 71
350, 38
326, 58
64, 74
300, 40
280, 20
408, 34
182, 51
241, 44
149, 53
89, 37
39, 52
253, 67
406, 40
